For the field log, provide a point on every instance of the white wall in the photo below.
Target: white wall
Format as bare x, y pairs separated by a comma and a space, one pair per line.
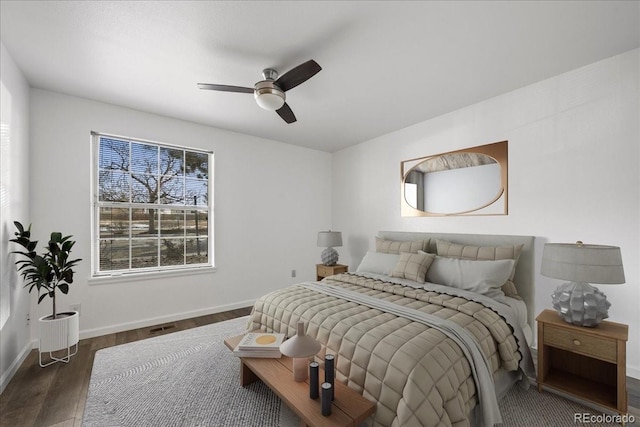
15, 340
270, 201
573, 174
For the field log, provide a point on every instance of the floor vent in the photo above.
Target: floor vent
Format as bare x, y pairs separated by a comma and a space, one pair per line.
161, 328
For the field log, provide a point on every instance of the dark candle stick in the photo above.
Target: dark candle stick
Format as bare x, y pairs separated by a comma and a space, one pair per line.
330, 372
314, 373
326, 399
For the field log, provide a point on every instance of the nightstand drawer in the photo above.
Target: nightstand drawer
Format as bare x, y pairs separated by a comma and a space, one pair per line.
325, 271
577, 342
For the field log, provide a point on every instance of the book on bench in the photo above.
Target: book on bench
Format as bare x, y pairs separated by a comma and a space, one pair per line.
260, 344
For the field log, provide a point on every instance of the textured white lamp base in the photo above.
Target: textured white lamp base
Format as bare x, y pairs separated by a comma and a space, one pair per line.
329, 256
580, 303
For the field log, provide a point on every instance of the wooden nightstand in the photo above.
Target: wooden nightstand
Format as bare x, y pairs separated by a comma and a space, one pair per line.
589, 363
323, 271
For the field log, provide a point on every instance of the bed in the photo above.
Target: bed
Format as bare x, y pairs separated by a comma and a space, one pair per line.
433, 327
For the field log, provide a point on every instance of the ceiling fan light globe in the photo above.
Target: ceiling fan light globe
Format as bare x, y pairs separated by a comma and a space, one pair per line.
269, 101
268, 95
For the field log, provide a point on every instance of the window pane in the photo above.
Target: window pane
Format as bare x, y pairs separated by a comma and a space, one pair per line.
135, 181
172, 222
144, 253
113, 186
144, 188
197, 192
144, 222
197, 165
144, 158
172, 252
114, 222
197, 223
171, 161
114, 154
171, 190
114, 255
197, 251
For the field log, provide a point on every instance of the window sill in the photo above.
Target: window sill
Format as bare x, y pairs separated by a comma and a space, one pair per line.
148, 275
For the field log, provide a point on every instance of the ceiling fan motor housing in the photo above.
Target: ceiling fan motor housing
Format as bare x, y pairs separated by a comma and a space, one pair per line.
268, 95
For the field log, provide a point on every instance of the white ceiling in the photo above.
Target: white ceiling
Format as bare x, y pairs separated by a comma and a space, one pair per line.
386, 65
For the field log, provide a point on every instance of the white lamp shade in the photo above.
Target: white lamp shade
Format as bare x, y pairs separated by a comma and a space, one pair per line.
583, 263
329, 239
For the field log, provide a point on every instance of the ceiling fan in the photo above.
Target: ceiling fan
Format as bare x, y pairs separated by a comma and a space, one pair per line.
270, 92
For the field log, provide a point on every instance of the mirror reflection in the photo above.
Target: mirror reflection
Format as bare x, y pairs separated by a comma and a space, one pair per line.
464, 182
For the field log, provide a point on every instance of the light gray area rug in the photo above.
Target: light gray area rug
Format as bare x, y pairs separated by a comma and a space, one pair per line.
190, 378
186, 378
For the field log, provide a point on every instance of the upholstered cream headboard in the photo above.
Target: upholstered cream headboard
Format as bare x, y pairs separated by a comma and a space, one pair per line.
525, 270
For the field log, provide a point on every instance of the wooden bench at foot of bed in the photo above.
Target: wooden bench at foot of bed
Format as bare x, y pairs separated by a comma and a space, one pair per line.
349, 408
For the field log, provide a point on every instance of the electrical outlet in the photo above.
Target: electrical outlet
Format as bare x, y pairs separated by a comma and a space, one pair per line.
75, 307
293, 273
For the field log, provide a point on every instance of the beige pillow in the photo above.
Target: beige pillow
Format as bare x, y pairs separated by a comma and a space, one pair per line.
484, 253
398, 246
413, 266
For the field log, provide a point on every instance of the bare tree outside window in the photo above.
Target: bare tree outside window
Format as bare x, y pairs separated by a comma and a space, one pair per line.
152, 205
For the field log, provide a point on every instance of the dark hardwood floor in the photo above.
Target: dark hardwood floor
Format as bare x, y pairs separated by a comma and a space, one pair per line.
55, 396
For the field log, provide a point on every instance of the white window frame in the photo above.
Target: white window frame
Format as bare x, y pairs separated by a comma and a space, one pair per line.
96, 205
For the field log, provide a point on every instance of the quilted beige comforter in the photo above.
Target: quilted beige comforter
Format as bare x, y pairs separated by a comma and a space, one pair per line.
416, 374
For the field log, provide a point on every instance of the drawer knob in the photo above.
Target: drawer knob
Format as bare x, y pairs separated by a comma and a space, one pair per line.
576, 342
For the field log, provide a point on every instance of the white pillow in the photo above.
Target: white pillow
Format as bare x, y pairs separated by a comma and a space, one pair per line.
378, 262
481, 277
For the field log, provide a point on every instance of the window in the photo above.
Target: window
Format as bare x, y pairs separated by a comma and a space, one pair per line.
152, 206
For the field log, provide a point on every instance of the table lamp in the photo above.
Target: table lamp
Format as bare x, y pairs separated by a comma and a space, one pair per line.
300, 347
577, 301
329, 240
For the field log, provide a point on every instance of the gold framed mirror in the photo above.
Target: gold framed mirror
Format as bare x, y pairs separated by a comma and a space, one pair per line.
472, 181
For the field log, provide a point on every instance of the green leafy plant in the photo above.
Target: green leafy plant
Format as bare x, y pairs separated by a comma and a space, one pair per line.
49, 272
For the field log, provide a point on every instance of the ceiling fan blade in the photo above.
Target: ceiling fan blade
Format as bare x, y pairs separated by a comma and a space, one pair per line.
225, 88
298, 75
286, 113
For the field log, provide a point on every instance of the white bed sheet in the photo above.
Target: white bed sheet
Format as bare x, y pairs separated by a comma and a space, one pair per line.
520, 309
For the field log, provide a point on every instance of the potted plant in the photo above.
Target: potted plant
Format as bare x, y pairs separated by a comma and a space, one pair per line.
50, 272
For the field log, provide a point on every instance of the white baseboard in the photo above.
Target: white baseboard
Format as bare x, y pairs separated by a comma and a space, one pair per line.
17, 362
120, 327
